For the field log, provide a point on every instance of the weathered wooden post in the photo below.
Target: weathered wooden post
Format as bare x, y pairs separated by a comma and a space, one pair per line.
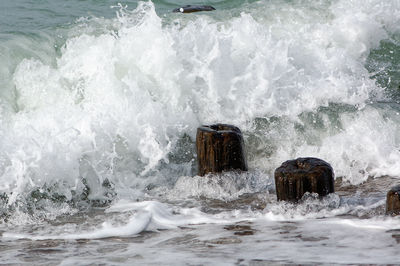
220, 147
393, 201
296, 177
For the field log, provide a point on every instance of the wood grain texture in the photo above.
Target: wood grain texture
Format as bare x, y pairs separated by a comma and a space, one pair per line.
393, 201
296, 177
220, 147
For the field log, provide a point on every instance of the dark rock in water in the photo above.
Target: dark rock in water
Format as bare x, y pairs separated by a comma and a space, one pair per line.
220, 147
296, 177
191, 9
393, 201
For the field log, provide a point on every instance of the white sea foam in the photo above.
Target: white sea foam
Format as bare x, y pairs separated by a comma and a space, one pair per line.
121, 101
144, 216
115, 103
224, 186
135, 225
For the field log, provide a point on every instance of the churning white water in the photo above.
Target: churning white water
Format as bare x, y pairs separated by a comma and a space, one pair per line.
98, 121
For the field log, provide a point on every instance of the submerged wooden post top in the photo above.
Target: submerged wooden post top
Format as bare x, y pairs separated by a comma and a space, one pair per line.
220, 147
219, 128
296, 177
393, 201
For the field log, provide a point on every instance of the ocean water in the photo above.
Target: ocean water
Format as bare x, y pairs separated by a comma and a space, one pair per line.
99, 105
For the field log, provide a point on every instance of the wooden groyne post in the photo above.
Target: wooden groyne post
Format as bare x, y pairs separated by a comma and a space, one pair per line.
220, 147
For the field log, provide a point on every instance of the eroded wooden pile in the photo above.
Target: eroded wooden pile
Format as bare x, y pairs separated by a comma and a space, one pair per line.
296, 177
220, 147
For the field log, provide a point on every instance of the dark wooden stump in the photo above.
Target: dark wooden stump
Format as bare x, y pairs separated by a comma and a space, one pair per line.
220, 148
393, 201
296, 177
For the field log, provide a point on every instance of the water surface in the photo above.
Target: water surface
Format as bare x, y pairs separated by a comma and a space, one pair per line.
99, 105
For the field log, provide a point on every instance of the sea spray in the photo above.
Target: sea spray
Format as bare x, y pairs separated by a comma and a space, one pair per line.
120, 101
98, 114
